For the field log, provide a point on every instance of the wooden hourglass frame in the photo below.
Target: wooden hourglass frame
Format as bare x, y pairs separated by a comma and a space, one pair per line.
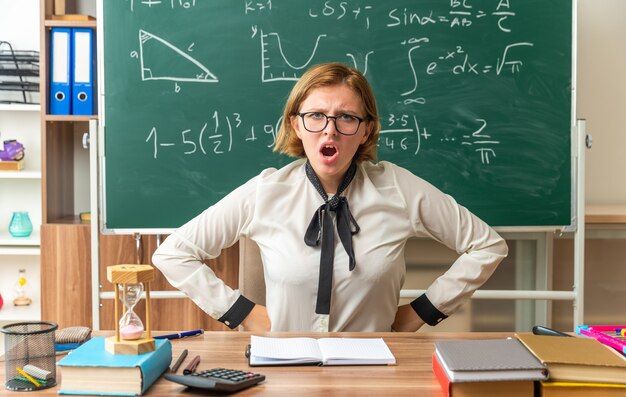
122, 275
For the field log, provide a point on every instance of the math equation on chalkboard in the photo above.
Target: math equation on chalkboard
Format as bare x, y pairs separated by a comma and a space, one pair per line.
474, 96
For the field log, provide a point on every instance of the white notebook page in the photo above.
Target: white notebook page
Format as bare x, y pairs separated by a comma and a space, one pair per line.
285, 348
355, 349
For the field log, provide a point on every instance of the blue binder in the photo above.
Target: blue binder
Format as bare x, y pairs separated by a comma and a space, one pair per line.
83, 76
60, 66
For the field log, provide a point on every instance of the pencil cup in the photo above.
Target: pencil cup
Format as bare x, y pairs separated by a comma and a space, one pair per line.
29, 355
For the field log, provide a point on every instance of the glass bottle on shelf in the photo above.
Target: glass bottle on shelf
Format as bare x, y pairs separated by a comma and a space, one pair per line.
21, 290
20, 225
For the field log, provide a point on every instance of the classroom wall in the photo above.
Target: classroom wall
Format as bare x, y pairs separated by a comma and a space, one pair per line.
24, 13
23, 37
601, 97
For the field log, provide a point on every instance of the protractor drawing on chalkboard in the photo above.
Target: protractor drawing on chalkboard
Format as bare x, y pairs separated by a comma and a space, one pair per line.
275, 66
160, 60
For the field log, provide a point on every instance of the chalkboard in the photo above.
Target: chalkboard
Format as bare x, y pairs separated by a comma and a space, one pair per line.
475, 96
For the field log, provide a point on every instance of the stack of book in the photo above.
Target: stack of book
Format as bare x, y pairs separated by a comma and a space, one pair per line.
486, 368
529, 365
578, 366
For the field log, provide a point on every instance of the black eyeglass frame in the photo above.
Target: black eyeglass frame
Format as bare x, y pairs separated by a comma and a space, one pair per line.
361, 119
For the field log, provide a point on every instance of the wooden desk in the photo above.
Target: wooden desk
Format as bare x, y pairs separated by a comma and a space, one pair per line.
412, 376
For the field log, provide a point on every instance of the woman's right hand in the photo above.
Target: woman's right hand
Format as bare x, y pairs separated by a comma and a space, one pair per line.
258, 320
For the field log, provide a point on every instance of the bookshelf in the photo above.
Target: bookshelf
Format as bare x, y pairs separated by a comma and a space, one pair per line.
65, 241
19, 119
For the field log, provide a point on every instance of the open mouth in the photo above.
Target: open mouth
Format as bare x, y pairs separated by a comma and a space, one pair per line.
328, 151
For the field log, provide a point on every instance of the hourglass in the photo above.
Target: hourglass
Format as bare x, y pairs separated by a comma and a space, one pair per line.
129, 282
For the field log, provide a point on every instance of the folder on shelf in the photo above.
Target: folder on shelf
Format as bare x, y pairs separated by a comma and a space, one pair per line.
83, 50
60, 64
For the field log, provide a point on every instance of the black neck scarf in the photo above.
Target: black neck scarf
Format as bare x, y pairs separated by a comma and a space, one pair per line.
320, 228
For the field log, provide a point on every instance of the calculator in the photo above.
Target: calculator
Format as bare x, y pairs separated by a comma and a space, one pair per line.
218, 379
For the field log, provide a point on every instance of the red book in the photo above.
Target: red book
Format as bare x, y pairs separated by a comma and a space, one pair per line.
440, 374
482, 389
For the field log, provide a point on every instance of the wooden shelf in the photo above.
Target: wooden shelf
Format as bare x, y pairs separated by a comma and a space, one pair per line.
19, 107
57, 117
20, 251
31, 241
70, 24
20, 174
12, 313
68, 220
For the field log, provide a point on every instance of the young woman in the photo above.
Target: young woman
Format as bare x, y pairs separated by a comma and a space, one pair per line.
331, 226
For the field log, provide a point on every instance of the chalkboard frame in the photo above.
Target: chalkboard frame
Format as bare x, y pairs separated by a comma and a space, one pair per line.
106, 229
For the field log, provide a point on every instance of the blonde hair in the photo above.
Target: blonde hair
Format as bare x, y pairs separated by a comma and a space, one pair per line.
323, 75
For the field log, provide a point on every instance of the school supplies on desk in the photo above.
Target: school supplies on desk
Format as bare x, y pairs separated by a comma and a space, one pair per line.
180, 335
541, 330
218, 380
191, 367
28, 377
324, 351
90, 369
70, 338
488, 367
579, 389
517, 388
179, 361
576, 359
488, 360
605, 339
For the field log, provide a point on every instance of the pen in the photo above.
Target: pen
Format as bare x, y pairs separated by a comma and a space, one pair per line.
180, 334
179, 361
607, 340
540, 330
192, 366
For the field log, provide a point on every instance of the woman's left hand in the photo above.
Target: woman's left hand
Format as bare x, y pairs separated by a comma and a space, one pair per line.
406, 320
257, 320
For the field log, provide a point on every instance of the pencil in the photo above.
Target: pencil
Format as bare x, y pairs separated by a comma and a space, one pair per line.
192, 366
179, 361
30, 378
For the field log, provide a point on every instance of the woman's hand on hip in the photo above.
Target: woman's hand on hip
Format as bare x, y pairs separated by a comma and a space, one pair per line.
406, 320
258, 320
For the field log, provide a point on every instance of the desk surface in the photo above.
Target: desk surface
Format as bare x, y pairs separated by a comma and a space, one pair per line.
412, 376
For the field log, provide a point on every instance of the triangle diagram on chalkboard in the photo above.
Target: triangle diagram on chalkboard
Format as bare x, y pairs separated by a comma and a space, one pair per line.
160, 60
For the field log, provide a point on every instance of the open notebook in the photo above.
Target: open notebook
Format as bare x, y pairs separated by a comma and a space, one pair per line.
324, 351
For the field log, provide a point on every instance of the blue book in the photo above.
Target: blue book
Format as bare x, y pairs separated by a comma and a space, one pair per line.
90, 369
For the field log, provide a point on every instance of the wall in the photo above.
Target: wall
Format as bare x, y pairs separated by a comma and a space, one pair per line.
601, 97
19, 25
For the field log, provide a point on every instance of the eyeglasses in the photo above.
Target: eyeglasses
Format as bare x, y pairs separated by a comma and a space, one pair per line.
345, 124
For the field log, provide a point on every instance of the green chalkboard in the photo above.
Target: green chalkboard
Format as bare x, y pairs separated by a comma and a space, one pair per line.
475, 96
